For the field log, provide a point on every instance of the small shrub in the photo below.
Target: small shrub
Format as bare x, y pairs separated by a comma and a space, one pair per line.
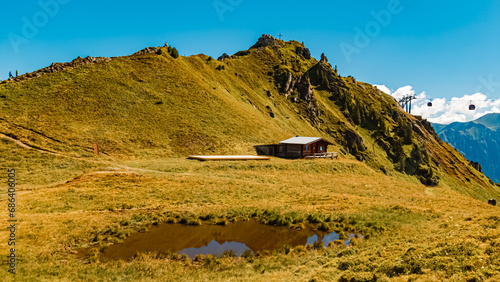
124, 222
299, 226
122, 234
198, 258
175, 256
173, 52
346, 252
358, 277
94, 256
324, 226
336, 244
210, 261
315, 218
354, 242
228, 254
248, 255
127, 207
171, 220
299, 249
262, 253
222, 222
140, 256
330, 218
339, 242
137, 218
345, 264
343, 235
184, 257
286, 249
209, 216
193, 221
318, 245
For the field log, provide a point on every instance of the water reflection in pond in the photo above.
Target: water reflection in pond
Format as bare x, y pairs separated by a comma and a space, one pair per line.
215, 239
216, 249
328, 238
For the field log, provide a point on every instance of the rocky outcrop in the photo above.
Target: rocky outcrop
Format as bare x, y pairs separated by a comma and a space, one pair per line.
57, 67
146, 50
286, 83
305, 90
224, 57
476, 165
324, 77
355, 144
304, 52
420, 124
323, 58
427, 177
264, 41
242, 53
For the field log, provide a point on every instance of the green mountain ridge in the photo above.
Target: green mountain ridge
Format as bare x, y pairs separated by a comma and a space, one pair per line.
154, 104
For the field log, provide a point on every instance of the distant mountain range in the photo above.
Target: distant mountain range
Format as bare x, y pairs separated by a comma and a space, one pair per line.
477, 140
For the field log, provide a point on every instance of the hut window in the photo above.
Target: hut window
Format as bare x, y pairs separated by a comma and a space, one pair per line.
307, 148
321, 148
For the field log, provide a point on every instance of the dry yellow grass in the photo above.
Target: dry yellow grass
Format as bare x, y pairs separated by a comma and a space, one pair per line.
428, 222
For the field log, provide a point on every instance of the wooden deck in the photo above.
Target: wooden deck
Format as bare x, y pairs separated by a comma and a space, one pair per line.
331, 155
228, 158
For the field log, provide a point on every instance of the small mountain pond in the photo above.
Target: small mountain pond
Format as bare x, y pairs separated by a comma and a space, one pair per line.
215, 239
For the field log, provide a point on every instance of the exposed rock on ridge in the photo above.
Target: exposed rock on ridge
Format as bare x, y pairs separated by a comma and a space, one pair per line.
57, 67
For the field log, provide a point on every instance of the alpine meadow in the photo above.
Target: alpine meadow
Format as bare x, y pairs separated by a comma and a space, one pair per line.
100, 146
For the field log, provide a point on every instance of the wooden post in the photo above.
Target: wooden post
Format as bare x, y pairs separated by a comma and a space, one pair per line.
96, 149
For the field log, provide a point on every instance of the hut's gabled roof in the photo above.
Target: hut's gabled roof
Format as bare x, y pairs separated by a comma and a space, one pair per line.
299, 140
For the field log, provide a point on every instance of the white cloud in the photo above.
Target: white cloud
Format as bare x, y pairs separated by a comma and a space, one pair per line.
384, 89
444, 110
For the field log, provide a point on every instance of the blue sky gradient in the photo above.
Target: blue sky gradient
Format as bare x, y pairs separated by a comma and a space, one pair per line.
445, 48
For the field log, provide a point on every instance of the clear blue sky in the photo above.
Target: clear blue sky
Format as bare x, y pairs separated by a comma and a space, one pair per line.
440, 47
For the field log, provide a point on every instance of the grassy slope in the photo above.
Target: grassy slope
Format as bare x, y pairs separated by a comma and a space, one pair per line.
115, 103
154, 105
426, 232
65, 200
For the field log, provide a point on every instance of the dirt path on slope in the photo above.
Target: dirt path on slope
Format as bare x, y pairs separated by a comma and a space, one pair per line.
41, 150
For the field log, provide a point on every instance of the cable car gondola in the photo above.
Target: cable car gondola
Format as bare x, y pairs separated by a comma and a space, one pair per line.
472, 107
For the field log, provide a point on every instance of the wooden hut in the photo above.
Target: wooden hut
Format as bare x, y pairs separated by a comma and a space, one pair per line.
297, 147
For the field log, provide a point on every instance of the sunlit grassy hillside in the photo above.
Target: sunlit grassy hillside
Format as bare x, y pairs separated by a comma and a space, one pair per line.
419, 201
411, 231
155, 105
